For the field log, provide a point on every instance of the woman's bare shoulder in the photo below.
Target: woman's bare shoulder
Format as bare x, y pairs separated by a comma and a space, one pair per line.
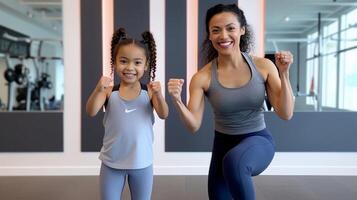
264, 65
262, 62
202, 77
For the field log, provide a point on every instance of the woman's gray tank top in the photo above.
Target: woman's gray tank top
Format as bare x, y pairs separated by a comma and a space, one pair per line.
238, 110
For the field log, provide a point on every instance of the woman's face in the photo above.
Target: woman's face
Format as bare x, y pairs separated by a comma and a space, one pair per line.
130, 63
225, 32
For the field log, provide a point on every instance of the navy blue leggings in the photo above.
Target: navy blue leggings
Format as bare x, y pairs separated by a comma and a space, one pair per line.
235, 159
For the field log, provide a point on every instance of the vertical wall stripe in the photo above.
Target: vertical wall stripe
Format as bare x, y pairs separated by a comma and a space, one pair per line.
191, 42
107, 32
254, 11
91, 70
175, 64
134, 16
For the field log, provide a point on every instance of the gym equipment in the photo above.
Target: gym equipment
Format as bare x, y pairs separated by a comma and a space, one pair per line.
9, 75
31, 92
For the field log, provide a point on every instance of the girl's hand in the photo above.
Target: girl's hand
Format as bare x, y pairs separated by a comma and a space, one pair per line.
155, 87
283, 60
104, 84
174, 87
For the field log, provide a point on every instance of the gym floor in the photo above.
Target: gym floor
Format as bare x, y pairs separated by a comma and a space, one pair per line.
180, 188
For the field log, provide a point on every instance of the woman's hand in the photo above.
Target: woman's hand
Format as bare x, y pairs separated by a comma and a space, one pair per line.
174, 86
283, 60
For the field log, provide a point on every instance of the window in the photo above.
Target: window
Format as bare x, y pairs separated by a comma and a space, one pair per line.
312, 68
348, 77
339, 68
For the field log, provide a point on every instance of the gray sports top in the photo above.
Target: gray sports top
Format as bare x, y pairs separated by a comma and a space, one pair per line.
238, 110
128, 138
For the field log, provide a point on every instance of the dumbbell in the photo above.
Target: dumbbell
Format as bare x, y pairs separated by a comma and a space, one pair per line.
19, 79
9, 75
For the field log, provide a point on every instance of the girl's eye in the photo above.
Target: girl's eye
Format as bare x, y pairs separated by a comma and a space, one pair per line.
215, 31
122, 62
138, 63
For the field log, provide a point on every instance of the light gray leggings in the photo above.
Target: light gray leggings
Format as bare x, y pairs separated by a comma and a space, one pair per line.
112, 182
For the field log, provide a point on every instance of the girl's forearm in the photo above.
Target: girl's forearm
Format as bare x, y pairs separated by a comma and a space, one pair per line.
95, 102
160, 106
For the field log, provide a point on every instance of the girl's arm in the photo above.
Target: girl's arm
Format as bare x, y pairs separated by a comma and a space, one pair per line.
158, 100
278, 85
192, 114
97, 98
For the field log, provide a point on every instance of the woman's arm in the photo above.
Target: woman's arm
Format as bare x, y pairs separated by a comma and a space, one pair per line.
278, 85
192, 114
98, 96
158, 100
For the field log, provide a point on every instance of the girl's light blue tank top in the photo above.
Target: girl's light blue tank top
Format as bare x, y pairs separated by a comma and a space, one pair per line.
128, 138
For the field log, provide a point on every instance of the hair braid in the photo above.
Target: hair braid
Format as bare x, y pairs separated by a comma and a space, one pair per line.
118, 35
149, 40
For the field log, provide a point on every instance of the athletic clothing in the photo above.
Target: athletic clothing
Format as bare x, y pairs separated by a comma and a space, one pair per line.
128, 138
238, 110
243, 147
112, 183
235, 159
127, 146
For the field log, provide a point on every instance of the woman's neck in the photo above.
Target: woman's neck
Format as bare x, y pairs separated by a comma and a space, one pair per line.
230, 61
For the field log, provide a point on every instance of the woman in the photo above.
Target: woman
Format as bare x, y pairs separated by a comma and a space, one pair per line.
235, 84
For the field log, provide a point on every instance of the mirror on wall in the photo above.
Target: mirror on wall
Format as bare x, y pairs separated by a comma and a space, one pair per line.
322, 35
31, 55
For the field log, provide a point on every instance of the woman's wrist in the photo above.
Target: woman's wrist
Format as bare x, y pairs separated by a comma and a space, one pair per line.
177, 101
284, 74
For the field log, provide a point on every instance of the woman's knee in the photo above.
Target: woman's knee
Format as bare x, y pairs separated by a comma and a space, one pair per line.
250, 155
235, 166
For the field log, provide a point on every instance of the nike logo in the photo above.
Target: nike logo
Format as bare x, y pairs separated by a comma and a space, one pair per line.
129, 111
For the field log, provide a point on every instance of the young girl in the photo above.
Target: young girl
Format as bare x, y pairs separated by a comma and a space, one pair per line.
127, 144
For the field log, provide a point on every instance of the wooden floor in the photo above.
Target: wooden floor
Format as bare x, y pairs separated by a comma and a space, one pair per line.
180, 188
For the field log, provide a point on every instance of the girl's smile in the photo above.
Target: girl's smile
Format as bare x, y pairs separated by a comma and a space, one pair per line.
130, 63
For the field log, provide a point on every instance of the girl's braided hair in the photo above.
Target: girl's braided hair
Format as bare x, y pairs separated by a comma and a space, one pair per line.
147, 43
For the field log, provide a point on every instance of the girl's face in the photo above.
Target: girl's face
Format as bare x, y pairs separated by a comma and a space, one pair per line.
225, 32
130, 63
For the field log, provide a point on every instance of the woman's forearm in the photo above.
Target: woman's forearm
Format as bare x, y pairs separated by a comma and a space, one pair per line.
187, 117
286, 99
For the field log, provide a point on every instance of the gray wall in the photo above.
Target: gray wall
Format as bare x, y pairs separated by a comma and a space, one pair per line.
31, 132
